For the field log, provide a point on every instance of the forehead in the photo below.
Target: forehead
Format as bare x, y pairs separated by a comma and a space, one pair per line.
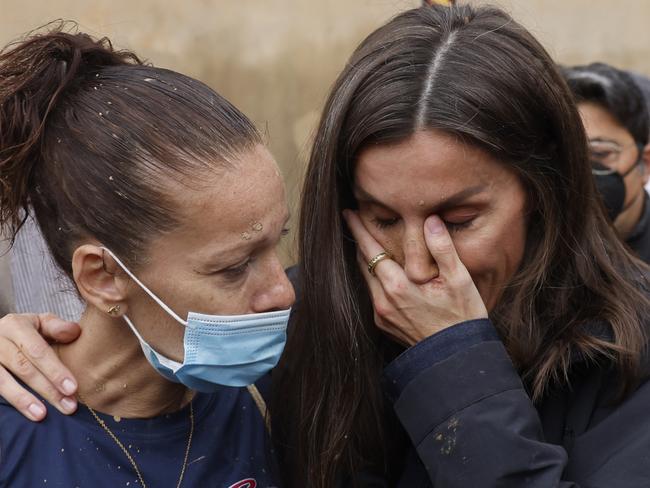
601, 123
429, 162
230, 200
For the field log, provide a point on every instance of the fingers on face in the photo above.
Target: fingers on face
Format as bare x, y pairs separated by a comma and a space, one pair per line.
438, 240
369, 248
367, 244
441, 246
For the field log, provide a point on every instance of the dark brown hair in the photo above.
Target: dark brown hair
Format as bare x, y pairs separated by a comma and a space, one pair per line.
477, 74
90, 139
614, 90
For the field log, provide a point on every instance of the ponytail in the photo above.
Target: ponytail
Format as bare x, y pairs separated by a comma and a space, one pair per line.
35, 74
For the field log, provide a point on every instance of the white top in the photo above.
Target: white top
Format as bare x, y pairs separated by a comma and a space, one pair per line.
39, 286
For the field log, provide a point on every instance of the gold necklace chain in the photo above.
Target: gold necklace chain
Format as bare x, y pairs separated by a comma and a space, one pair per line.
130, 458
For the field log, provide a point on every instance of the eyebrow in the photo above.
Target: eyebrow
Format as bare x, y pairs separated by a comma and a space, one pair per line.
457, 198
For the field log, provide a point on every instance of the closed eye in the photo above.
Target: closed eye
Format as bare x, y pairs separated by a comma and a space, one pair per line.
385, 223
238, 270
456, 226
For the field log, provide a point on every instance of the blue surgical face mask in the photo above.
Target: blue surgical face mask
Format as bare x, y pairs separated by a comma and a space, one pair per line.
220, 350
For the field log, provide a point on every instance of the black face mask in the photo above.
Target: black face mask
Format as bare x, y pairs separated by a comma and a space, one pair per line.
611, 187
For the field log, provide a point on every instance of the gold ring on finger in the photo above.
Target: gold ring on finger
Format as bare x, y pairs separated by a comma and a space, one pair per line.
372, 264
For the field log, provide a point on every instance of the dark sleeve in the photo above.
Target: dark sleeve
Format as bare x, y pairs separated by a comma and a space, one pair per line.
473, 424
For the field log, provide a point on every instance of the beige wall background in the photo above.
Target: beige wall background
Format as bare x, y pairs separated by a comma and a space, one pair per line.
276, 59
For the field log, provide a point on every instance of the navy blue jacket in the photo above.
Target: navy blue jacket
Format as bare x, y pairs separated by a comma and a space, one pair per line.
472, 423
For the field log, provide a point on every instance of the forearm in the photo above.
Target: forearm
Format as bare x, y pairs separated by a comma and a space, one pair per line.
468, 415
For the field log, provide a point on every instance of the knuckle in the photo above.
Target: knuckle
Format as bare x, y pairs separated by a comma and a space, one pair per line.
50, 393
462, 280
8, 320
382, 308
22, 366
10, 390
378, 321
36, 349
443, 247
395, 287
23, 401
55, 378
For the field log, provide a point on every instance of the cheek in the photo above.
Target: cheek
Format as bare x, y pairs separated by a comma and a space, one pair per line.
206, 294
390, 238
633, 184
492, 254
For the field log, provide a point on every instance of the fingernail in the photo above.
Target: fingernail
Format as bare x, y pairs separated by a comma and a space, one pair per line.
69, 386
36, 410
68, 404
434, 225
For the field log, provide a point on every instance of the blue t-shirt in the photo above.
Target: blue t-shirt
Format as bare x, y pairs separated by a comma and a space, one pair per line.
229, 447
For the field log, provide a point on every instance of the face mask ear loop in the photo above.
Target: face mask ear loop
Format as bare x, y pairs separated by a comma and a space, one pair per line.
149, 292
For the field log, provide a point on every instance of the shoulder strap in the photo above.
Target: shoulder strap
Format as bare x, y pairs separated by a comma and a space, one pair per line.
261, 405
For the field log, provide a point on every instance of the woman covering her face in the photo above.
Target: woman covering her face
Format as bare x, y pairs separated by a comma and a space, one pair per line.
449, 209
158, 198
467, 317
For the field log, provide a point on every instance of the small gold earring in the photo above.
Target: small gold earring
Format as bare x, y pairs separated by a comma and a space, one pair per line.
114, 310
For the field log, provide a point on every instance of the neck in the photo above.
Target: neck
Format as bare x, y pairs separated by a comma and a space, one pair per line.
113, 374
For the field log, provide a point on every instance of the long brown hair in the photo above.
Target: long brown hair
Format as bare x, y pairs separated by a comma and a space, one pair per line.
477, 74
90, 137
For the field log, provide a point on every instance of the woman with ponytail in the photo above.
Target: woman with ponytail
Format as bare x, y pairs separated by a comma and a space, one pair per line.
159, 200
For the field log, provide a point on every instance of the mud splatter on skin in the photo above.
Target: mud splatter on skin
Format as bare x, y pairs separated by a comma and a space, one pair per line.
257, 226
246, 236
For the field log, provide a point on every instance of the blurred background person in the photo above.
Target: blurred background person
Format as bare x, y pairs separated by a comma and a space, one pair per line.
34, 282
643, 82
615, 116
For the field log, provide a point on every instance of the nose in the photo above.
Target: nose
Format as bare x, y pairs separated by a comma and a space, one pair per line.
419, 265
276, 291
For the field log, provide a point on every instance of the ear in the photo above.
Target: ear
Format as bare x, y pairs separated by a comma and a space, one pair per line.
98, 280
645, 156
